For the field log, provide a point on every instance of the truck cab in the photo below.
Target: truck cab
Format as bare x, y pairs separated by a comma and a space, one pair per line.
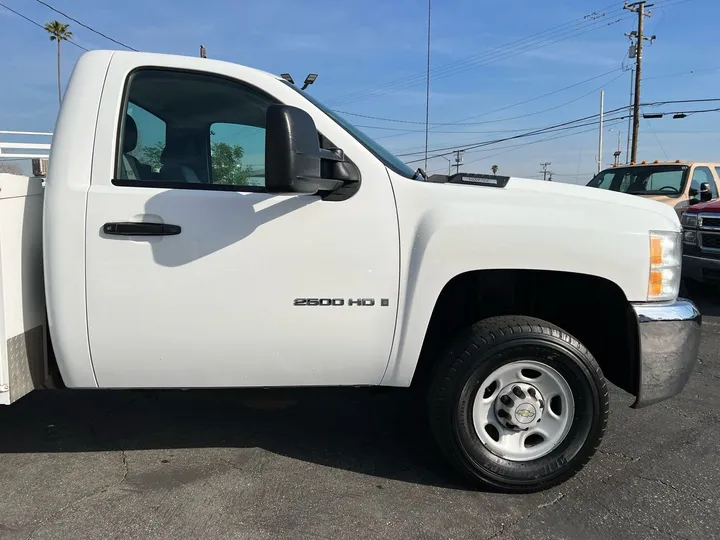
679, 184
209, 225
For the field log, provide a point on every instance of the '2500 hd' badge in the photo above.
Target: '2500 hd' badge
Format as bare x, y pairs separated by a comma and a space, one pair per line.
367, 302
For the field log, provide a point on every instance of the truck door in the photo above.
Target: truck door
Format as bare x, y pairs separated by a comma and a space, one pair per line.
196, 277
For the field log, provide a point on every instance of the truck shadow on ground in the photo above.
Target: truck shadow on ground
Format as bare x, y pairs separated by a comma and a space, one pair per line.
374, 432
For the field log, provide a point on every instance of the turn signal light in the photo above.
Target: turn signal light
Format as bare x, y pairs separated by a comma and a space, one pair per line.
656, 283
656, 251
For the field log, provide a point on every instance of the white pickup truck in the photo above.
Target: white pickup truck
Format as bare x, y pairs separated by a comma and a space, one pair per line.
206, 225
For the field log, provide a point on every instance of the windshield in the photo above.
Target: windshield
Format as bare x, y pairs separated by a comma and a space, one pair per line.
667, 180
388, 159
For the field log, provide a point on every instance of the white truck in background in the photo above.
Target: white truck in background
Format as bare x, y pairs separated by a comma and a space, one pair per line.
205, 224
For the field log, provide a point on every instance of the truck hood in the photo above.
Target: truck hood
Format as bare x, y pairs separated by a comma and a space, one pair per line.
711, 207
580, 205
583, 195
449, 228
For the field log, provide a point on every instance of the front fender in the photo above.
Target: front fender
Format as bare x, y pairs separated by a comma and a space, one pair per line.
508, 231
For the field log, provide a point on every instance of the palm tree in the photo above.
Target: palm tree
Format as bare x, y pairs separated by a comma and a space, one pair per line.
494, 169
58, 32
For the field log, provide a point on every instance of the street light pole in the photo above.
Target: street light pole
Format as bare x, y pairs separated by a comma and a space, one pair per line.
618, 152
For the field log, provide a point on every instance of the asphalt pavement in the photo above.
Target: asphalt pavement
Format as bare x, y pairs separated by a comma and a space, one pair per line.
338, 464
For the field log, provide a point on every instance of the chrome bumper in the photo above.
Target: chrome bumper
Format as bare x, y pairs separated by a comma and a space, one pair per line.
669, 335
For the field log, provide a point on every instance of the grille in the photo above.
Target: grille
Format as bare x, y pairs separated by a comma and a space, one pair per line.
711, 221
711, 241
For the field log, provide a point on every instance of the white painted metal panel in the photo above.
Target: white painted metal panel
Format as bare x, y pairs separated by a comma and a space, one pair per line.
22, 295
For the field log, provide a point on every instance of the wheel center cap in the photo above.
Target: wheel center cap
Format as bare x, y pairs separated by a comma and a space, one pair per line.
519, 406
525, 413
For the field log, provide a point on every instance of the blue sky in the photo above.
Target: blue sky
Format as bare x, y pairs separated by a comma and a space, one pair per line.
355, 45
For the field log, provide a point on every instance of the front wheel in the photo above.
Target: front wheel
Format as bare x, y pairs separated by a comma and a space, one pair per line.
517, 404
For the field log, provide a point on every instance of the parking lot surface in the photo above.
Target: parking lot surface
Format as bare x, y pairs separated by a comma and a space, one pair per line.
338, 464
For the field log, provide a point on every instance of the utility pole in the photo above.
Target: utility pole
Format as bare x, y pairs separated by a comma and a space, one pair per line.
629, 126
600, 134
545, 171
458, 159
637, 47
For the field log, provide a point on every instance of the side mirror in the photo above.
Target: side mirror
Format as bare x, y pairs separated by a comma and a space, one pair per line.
294, 161
705, 194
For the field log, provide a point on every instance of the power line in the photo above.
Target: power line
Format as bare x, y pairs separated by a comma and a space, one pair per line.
505, 55
39, 25
517, 46
565, 126
648, 104
534, 132
523, 145
85, 25
443, 71
485, 113
690, 72
527, 115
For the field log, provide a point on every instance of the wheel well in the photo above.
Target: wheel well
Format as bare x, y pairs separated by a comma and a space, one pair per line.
592, 309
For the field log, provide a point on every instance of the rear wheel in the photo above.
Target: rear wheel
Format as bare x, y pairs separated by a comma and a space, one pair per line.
518, 404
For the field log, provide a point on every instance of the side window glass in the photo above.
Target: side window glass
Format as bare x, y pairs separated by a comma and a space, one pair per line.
713, 186
190, 128
700, 175
237, 154
142, 144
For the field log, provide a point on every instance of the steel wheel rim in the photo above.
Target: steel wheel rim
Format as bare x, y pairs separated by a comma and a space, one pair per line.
541, 413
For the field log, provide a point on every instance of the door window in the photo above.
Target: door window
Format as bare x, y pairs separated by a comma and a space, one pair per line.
191, 130
142, 159
700, 175
237, 154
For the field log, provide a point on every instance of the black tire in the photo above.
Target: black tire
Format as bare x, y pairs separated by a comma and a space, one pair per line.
476, 354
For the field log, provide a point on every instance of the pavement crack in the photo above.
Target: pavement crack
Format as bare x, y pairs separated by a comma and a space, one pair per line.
504, 526
638, 522
672, 487
619, 455
499, 532
551, 503
123, 456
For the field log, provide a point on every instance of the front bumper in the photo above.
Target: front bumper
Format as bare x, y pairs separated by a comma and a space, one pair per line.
669, 340
700, 268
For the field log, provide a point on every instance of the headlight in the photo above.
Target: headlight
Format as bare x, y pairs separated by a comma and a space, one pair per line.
665, 265
689, 220
690, 237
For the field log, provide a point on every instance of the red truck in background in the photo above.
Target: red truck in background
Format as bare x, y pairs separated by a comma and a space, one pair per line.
701, 244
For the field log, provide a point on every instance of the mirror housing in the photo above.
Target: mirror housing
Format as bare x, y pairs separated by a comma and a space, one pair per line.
705, 194
294, 161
